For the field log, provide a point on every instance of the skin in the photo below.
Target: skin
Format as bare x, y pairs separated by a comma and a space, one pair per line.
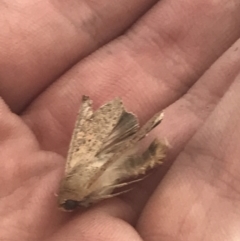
181, 56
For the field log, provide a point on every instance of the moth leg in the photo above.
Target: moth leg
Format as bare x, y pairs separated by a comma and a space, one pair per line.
139, 164
123, 184
111, 195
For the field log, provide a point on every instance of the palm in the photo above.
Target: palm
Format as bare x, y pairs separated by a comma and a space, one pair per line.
157, 64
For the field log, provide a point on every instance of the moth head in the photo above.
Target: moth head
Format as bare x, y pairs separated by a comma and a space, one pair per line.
72, 195
70, 205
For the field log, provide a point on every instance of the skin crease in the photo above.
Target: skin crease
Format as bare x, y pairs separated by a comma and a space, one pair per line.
181, 56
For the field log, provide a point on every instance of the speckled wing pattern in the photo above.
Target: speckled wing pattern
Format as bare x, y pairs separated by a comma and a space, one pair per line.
84, 117
125, 128
91, 131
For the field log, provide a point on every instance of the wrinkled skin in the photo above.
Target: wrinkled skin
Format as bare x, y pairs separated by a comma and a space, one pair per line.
179, 55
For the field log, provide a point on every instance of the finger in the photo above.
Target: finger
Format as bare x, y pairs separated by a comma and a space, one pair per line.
186, 116
41, 40
28, 182
103, 223
148, 73
202, 188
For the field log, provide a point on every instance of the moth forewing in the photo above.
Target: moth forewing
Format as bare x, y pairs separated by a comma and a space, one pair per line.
102, 153
85, 113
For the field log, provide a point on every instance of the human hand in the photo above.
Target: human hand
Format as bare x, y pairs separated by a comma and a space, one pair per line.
157, 64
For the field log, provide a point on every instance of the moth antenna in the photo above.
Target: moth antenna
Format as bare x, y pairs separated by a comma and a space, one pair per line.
112, 195
125, 183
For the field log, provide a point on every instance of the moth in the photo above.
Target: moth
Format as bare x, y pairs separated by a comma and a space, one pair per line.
104, 153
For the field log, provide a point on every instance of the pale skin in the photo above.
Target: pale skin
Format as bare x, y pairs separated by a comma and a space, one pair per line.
157, 63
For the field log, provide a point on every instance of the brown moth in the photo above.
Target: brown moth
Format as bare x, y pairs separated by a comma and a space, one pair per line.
103, 153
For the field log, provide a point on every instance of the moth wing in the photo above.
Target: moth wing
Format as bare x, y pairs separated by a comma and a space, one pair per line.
145, 129
138, 164
127, 146
131, 166
124, 129
90, 132
84, 115
140, 134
